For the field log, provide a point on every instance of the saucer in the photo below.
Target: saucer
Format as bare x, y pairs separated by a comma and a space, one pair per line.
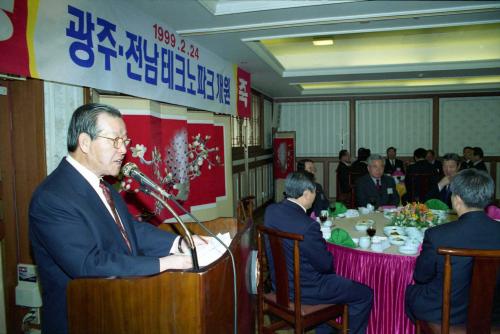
408, 250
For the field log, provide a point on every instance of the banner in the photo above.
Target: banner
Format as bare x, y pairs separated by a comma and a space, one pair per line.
244, 105
113, 46
186, 158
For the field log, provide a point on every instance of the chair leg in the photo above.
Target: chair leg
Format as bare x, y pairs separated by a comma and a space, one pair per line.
417, 327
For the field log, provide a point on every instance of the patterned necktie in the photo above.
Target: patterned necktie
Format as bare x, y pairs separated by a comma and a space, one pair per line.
377, 184
109, 199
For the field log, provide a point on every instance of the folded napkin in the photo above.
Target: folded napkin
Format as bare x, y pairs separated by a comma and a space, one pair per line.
341, 237
493, 212
338, 209
436, 204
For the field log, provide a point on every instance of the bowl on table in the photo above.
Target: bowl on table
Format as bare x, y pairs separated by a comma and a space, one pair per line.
394, 231
398, 240
362, 224
363, 210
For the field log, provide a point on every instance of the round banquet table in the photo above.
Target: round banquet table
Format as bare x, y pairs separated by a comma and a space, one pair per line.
387, 273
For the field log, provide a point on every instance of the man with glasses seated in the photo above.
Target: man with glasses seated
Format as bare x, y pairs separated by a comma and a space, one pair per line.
80, 226
318, 282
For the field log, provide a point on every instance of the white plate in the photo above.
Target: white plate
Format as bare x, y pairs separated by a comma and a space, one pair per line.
408, 250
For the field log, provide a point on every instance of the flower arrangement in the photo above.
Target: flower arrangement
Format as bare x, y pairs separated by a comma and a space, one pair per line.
415, 215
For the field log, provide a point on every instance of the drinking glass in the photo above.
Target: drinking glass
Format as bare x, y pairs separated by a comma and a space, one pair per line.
371, 230
323, 216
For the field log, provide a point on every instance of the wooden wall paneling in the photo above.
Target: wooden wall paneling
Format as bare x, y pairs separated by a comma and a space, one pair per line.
23, 167
352, 127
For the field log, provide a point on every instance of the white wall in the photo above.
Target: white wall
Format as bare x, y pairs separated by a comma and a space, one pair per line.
321, 128
404, 124
469, 121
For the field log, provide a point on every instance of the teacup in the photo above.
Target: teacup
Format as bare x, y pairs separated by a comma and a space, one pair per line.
356, 241
364, 211
377, 247
364, 242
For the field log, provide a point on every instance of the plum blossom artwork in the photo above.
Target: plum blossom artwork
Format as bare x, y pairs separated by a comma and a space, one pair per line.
180, 162
284, 157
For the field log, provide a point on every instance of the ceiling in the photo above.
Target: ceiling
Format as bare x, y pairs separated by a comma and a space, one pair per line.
379, 47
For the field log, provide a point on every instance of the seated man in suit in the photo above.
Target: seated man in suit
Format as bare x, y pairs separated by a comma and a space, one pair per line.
343, 176
392, 164
467, 157
80, 225
472, 190
318, 282
441, 190
420, 177
307, 167
375, 187
477, 159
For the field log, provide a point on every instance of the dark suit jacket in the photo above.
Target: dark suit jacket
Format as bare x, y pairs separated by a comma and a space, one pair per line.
417, 189
389, 169
343, 177
320, 202
480, 165
444, 194
424, 299
465, 164
318, 282
74, 235
359, 167
366, 191
438, 167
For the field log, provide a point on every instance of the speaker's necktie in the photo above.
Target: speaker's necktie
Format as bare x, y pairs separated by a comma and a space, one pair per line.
377, 184
109, 199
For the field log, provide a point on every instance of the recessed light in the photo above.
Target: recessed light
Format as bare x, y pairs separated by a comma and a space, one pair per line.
322, 41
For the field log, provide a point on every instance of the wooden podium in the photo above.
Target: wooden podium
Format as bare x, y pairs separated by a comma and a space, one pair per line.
174, 301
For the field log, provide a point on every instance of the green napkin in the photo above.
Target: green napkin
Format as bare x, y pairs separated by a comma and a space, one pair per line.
436, 204
338, 209
341, 237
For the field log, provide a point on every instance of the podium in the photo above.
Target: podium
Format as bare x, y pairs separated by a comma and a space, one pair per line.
174, 301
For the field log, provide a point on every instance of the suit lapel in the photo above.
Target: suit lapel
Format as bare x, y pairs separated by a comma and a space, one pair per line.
82, 187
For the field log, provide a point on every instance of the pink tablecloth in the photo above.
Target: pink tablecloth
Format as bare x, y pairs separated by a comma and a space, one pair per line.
388, 275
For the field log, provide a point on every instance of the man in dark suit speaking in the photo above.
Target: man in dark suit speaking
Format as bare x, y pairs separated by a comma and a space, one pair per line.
318, 282
472, 191
80, 226
375, 187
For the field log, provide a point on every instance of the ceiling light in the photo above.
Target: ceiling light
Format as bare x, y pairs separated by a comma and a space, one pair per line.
323, 41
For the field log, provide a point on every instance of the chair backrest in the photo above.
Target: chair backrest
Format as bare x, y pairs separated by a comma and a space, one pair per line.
353, 177
419, 186
486, 264
275, 239
244, 210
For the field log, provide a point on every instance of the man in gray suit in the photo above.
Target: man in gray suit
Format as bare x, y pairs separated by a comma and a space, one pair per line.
375, 187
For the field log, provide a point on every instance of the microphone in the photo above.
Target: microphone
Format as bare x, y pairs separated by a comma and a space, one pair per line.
131, 170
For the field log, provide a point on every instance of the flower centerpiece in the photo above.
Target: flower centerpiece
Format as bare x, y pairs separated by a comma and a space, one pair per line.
414, 215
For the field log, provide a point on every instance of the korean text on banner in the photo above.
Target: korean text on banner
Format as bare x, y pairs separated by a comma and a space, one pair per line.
96, 44
244, 105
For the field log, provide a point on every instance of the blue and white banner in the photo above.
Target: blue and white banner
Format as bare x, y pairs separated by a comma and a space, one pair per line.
111, 46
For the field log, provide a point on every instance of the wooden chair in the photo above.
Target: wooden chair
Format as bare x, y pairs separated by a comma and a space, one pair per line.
418, 185
353, 177
244, 210
486, 264
278, 304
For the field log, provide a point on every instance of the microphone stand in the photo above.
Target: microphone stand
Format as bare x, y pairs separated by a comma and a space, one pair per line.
189, 238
